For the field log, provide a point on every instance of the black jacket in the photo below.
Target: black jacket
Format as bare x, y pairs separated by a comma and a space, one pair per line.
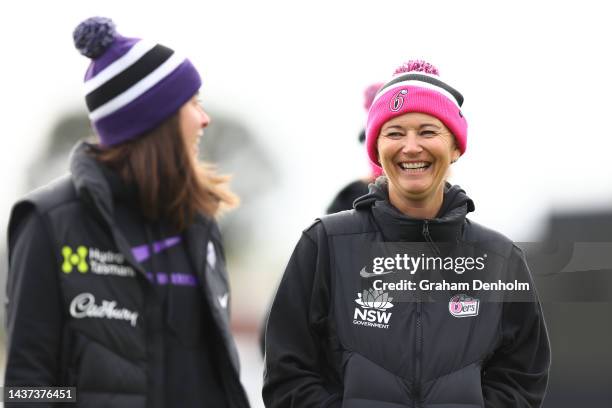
345, 197
342, 201
327, 347
87, 309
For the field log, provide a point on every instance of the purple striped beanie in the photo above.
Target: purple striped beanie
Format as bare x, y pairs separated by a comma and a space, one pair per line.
131, 85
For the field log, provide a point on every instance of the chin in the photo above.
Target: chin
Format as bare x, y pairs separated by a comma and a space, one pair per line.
413, 190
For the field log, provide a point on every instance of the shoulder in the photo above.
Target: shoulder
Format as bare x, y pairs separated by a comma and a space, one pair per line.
342, 223
42, 201
347, 222
58, 192
489, 239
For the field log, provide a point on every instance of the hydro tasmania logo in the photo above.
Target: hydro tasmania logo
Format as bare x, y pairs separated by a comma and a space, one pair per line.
76, 258
463, 306
371, 312
96, 261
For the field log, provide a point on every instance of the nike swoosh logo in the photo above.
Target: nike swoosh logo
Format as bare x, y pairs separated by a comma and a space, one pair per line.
366, 274
223, 300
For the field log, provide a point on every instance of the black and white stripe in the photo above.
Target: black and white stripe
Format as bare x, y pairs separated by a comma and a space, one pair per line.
129, 77
422, 80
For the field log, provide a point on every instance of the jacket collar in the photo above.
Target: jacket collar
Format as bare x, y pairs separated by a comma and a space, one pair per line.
89, 181
94, 190
447, 226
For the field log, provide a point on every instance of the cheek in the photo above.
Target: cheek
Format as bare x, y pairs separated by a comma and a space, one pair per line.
190, 125
443, 150
183, 120
382, 151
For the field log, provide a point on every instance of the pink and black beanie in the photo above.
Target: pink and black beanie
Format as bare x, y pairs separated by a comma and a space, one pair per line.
416, 87
131, 85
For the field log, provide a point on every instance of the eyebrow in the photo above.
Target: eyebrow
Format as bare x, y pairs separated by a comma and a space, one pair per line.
401, 128
393, 127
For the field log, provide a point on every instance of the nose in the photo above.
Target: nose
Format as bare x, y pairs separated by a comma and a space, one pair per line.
411, 144
204, 119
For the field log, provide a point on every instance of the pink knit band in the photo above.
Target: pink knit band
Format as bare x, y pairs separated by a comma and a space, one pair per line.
400, 99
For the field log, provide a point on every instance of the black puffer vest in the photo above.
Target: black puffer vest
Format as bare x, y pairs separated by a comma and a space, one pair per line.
410, 351
110, 335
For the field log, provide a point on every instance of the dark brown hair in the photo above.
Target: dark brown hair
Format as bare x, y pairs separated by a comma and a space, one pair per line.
171, 183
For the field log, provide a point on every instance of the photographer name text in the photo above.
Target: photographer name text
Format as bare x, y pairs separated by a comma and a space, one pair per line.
426, 285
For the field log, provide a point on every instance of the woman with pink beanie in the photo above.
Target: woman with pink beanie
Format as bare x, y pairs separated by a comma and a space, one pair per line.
404, 301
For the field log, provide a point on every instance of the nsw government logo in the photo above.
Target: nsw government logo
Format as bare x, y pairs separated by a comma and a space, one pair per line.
372, 309
463, 306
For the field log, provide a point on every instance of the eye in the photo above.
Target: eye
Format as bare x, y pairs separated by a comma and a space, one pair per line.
393, 135
429, 133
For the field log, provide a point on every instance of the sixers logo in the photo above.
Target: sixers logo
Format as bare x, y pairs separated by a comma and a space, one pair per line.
398, 100
463, 306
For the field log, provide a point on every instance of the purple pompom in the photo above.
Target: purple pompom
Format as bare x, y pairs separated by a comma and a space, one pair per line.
417, 66
93, 36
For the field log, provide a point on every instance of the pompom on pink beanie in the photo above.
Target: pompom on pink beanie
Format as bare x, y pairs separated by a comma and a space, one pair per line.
415, 87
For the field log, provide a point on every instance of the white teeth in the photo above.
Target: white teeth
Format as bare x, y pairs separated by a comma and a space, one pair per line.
417, 165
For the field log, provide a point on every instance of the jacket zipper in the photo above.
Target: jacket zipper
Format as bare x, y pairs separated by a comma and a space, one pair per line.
428, 238
419, 328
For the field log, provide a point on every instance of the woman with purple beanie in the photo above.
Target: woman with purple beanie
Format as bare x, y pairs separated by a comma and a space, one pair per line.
117, 283
394, 304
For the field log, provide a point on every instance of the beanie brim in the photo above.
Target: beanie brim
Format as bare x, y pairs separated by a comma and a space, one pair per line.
151, 108
415, 99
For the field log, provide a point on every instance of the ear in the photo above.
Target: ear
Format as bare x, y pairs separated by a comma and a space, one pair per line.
456, 154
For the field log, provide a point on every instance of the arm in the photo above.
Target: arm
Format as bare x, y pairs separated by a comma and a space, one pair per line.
34, 311
296, 371
517, 373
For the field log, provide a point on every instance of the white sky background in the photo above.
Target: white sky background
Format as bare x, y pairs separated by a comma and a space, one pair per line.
535, 76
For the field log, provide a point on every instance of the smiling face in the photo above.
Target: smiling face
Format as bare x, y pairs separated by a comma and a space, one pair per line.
192, 121
415, 151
